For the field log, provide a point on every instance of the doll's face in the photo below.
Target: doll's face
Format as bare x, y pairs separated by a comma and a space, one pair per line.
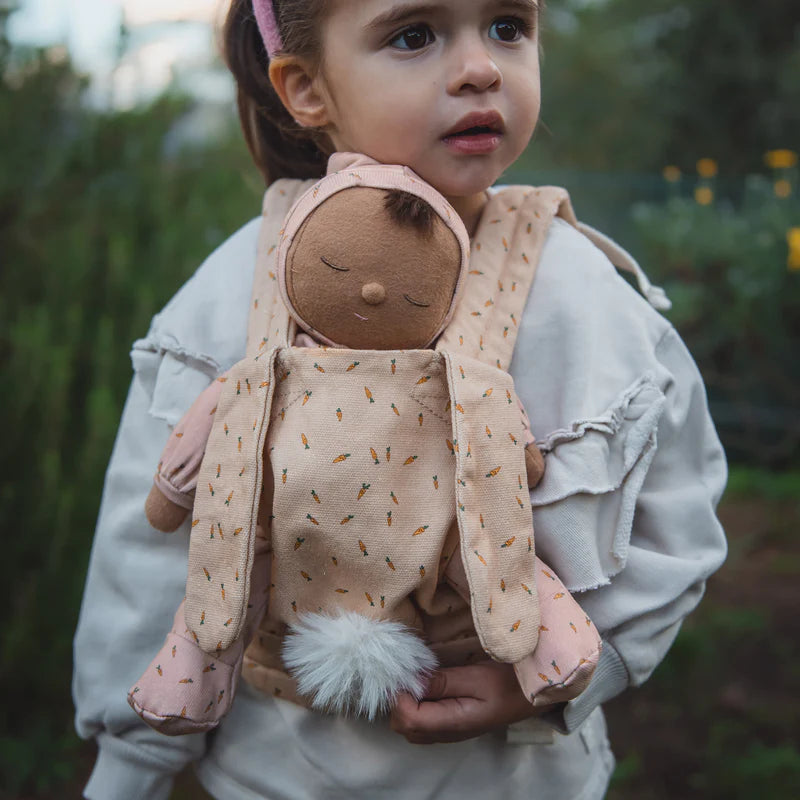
364, 281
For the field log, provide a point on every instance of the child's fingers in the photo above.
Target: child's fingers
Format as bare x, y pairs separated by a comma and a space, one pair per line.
461, 703
456, 682
454, 707
447, 720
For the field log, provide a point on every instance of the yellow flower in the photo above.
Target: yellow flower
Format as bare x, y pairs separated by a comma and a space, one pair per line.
793, 240
671, 174
704, 195
780, 159
707, 167
782, 188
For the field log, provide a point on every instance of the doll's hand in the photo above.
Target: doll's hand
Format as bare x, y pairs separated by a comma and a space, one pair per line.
534, 465
461, 703
162, 513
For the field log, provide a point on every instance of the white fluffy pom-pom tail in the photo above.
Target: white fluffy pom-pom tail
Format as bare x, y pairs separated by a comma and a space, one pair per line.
352, 664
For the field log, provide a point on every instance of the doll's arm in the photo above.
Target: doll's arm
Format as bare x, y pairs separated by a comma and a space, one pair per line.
534, 460
174, 484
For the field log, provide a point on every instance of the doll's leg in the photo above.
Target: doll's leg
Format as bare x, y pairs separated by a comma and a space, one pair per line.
186, 690
566, 655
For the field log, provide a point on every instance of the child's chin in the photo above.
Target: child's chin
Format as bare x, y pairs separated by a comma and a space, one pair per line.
473, 178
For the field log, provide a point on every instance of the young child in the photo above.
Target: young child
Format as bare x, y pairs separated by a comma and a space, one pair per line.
624, 512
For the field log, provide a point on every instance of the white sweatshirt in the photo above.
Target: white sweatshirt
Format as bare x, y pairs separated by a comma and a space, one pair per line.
625, 514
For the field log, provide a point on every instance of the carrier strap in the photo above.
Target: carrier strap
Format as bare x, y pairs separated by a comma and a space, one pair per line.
269, 324
623, 260
505, 255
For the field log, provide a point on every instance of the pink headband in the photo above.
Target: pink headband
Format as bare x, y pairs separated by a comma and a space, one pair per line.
268, 25
347, 170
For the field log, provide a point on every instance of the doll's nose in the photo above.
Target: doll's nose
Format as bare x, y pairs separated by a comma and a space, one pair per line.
373, 293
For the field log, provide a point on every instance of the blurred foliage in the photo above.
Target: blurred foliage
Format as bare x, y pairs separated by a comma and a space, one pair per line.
770, 486
729, 272
718, 719
633, 86
102, 217
104, 214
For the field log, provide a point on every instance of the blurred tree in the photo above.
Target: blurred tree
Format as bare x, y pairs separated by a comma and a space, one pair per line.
636, 86
734, 80
100, 222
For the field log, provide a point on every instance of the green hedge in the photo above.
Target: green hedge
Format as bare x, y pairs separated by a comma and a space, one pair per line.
733, 273
99, 225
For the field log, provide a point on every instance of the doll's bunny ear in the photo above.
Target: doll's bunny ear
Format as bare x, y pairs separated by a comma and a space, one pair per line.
341, 161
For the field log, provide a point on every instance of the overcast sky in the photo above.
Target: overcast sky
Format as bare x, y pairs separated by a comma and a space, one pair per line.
90, 25
90, 29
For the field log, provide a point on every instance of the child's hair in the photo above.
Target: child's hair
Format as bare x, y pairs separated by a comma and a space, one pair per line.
280, 147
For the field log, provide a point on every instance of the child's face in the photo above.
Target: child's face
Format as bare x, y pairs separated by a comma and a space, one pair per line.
396, 89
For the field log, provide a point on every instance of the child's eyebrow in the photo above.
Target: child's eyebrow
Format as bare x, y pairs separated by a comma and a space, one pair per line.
406, 11
400, 13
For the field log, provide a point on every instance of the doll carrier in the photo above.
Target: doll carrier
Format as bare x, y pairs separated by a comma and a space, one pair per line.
362, 448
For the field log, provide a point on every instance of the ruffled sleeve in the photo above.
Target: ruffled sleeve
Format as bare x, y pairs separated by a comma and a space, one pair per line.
626, 511
656, 574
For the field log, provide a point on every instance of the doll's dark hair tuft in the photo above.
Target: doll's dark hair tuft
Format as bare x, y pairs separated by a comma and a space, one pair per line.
407, 209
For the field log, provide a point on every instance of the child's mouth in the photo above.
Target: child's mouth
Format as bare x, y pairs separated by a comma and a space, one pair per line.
480, 139
474, 131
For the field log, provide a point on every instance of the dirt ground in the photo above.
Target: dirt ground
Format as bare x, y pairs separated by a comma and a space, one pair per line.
719, 718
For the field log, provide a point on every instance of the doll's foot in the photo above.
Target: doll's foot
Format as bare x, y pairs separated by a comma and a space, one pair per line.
185, 690
568, 649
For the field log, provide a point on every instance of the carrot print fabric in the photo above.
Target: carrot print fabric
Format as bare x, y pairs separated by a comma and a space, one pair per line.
229, 486
363, 478
374, 459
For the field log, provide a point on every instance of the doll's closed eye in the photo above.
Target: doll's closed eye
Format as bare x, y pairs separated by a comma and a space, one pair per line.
416, 302
333, 266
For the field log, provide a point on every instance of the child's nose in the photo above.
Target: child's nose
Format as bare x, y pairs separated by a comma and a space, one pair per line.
373, 293
473, 68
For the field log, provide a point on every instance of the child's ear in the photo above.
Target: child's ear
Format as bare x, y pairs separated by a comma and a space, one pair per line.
298, 90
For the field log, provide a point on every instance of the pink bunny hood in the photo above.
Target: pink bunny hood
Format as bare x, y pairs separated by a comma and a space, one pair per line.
349, 170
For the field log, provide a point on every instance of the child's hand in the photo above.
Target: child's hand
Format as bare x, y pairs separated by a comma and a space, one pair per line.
461, 703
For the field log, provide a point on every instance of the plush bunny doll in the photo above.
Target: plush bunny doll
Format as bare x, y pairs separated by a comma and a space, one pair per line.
372, 485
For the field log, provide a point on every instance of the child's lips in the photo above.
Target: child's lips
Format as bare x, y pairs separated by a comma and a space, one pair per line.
474, 144
478, 133
490, 121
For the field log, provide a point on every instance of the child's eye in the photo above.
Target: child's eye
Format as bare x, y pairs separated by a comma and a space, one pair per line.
413, 37
332, 265
509, 29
